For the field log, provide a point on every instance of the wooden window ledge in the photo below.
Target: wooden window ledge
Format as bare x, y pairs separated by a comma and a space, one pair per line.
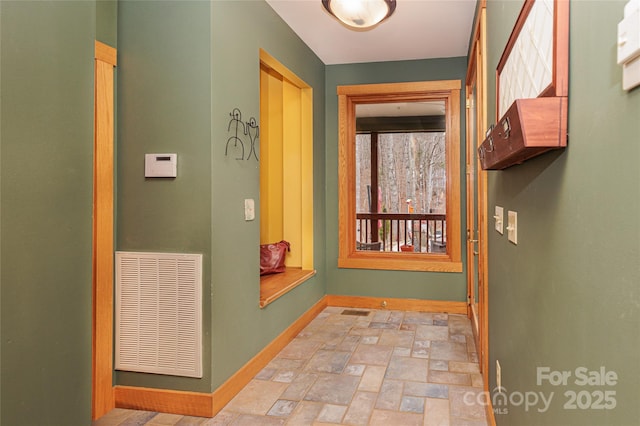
276, 285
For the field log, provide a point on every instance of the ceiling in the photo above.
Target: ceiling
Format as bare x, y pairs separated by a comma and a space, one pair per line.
400, 109
419, 29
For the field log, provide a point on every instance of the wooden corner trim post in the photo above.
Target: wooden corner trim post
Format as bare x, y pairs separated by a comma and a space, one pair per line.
102, 400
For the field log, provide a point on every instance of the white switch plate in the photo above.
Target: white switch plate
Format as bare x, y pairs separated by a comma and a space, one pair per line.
499, 217
629, 45
629, 35
512, 227
249, 209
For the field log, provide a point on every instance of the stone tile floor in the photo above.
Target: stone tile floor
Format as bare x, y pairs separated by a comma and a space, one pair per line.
387, 368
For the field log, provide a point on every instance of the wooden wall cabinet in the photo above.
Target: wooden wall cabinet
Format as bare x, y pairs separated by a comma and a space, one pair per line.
531, 88
529, 128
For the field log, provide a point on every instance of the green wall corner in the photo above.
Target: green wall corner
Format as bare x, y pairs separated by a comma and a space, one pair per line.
567, 295
46, 177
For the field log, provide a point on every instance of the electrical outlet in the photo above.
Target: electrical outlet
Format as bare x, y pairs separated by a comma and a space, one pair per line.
498, 376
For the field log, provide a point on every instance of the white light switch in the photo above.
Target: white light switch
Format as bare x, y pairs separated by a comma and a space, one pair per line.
512, 227
631, 74
499, 217
249, 209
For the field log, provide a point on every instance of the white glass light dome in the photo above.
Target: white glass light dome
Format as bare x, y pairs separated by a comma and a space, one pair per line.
360, 14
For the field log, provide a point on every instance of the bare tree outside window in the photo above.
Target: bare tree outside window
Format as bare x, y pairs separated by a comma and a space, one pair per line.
411, 179
410, 166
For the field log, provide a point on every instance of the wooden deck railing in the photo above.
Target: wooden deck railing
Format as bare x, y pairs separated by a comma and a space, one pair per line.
392, 232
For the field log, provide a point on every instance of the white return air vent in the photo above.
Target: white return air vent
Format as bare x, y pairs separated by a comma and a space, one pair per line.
159, 313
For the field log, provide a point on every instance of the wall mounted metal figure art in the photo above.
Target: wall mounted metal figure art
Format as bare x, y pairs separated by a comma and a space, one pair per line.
241, 129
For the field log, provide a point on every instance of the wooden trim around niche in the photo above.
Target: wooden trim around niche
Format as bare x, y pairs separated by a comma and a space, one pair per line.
276, 285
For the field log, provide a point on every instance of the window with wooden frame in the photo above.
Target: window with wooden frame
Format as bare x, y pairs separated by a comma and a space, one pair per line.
423, 231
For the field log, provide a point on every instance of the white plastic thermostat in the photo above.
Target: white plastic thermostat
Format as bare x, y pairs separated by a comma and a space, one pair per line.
160, 165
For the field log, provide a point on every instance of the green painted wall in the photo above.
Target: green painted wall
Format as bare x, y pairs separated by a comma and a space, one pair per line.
375, 283
240, 328
184, 66
164, 106
46, 141
567, 295
107, 22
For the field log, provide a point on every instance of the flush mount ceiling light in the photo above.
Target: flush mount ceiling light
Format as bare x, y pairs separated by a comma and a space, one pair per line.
360, 14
